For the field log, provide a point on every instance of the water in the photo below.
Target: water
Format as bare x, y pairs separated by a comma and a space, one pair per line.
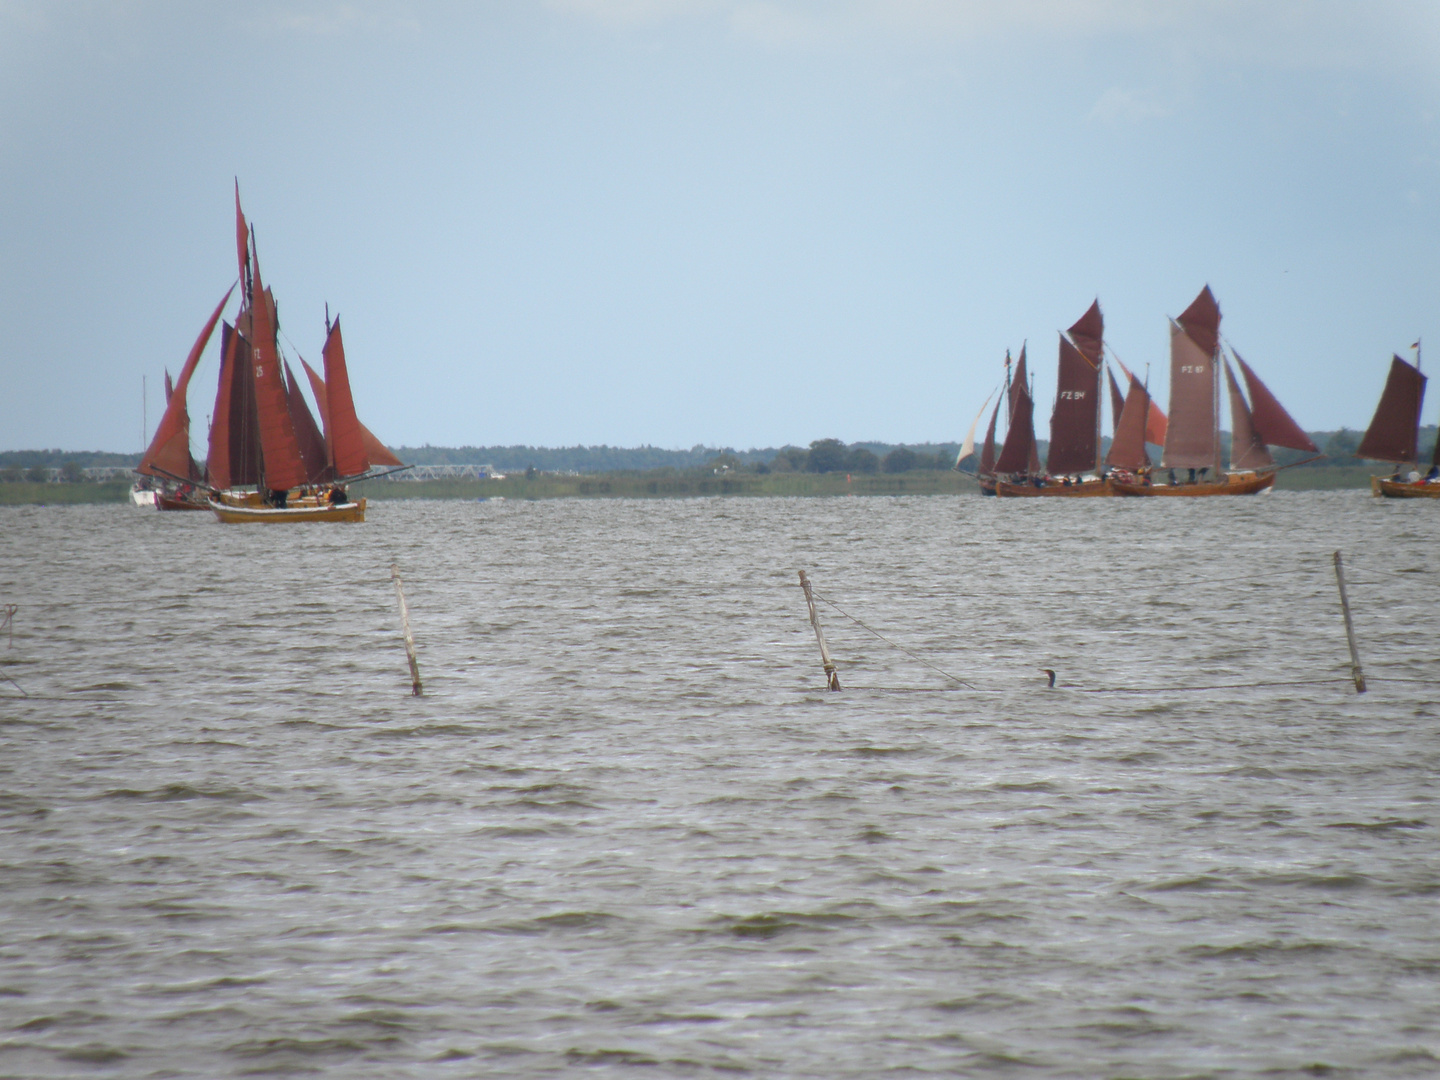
625, 827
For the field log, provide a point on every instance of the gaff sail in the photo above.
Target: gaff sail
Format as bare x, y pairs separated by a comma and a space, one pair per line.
1394, 431
1192, 440
1127, 449
1075, 423
1273, 424
1018, 453
1247, 447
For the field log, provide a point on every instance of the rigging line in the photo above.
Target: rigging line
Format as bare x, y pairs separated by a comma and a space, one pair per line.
887, 641
1212, 686
15, 684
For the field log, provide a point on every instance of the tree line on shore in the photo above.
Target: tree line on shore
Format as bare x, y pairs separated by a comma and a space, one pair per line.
821, 456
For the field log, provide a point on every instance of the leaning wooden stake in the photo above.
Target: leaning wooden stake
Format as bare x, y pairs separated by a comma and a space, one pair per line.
1355, 672
405, 625
832, 677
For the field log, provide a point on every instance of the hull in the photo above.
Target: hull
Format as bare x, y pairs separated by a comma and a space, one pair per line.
987, 485
1233, 484
1087, 489
242, 515
173, 502
142, 498
1403, 489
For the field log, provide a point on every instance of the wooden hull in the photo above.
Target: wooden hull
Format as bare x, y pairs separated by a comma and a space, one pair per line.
1233, 484
987, 485
171, 502
1087, 489
240, 515
1403, 489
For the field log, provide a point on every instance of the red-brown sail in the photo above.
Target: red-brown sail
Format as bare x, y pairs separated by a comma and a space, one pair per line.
1193, 438
1018, 453
1127, 449
1247, 448
242, 247
1117, 400
307, 433
169, 451
378, 452
169, 387
1272, 423
1075, 423
987, 451
1156, 425
1201, 322
1394, 431
1088, 334
343, 441
1022, 382
283, 466
234, 429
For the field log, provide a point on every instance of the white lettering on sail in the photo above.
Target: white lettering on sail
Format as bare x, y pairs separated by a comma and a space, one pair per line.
1192, 369
1072, 395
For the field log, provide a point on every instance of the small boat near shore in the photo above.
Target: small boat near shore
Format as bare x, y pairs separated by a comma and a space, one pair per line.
268, 459
1394, 435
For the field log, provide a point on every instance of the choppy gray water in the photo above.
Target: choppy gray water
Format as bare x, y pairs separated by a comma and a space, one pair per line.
625, 828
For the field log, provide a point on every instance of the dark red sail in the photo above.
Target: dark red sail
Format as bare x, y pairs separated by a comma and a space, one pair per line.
1127, 449
234, 458
1156, 425
1088, 334
307, 432
1117, 400
1201, 323
1272, 423
1247, 448
987, 452
283, 466
1018, 454
1075, 423
1394, 432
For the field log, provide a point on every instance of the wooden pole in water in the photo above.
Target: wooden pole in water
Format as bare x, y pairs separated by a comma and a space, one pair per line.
832, 677
405, 626
1355, 672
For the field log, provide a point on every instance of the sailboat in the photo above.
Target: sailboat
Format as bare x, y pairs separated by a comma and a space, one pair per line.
1018, 455
1394, 434
1192, 438
1074, 422
268, 460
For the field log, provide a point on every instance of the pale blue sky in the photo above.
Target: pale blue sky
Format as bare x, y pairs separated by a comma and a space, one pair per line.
732, 222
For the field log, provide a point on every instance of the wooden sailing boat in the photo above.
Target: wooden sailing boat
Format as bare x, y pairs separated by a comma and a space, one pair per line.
268, 460
1074, 422
1394, 435
1192, 440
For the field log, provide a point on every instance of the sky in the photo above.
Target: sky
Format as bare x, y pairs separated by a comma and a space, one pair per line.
735, 223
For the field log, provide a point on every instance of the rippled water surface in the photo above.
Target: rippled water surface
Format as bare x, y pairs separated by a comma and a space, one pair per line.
625, 826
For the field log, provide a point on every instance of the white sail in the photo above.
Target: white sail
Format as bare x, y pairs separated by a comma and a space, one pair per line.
968, 446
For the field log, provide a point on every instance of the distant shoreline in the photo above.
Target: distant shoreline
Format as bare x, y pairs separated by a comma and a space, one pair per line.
660, 484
